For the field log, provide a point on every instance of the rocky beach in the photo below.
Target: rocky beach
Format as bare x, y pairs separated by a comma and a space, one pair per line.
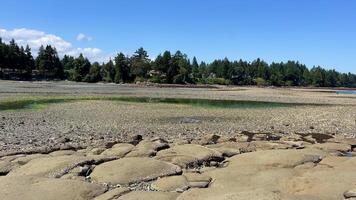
55, 144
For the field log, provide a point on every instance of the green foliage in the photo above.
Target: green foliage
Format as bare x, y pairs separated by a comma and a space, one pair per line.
156, 79
48, 63
215, 81
94, 73
140, 64
260, 82
15, 62
122, 69
80, 69
109, 71
18, 63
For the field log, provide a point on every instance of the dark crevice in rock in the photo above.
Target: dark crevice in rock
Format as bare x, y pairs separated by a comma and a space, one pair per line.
212, 162
249, 135
347, 154
353, 146
318, 137
88, 164
4, 173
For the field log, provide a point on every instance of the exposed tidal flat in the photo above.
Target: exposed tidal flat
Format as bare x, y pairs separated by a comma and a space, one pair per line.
35, 114
63, 140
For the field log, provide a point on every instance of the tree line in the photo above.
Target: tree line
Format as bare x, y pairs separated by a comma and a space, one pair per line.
17, 62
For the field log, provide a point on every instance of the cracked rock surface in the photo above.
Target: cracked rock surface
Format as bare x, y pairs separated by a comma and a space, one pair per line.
227, 169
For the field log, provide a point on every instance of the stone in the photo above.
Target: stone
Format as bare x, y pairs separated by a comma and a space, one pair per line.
264, 145
136, 139
249, 176
294, 144
333, 147
227, 149
81, 170
35, 188
242, 138
189, 155
141, 195
126, 171
27, 158
189, 120
49, 166
310, 139
171, 184
71, 176
6, 166
113, 194
278, 158
97, 150
208, 139
148, 148
62, 140
350, 193
119, 150
324, 183
62, 153
197, 180
253, 194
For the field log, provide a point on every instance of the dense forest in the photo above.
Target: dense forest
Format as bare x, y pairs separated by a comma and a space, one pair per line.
17, 62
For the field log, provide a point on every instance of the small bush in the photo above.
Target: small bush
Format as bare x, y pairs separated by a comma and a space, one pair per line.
215, 81
261, 82
156, 79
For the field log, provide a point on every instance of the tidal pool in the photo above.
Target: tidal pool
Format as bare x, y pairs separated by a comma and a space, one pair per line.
39, 103
346, 92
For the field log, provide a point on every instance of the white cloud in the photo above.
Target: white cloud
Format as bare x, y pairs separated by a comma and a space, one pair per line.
36, 38
82, 36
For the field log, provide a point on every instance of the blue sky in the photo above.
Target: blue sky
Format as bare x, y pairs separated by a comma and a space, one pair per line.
315, 32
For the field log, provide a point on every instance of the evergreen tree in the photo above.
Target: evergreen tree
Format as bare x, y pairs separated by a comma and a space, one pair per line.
94, 73
48, 63
81, 68
109, 71
29, 62
122, 69
173, 68
68, 62
195, 70
140, 63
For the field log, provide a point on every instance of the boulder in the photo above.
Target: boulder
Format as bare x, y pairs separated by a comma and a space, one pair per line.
119, 150
62, 153
35, 188
148, 148
227, 149
277, 158
324, 183
208, 139
350, 193
49, 166
249, 176
333, 147
171, 184
189, 155
113, 194
140, 195
197, 180
96, 151
126, 171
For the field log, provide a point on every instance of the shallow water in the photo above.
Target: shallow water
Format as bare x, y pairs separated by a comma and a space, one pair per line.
42, 103
346, 92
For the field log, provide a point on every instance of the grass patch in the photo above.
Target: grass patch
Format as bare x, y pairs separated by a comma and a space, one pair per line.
40, 102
